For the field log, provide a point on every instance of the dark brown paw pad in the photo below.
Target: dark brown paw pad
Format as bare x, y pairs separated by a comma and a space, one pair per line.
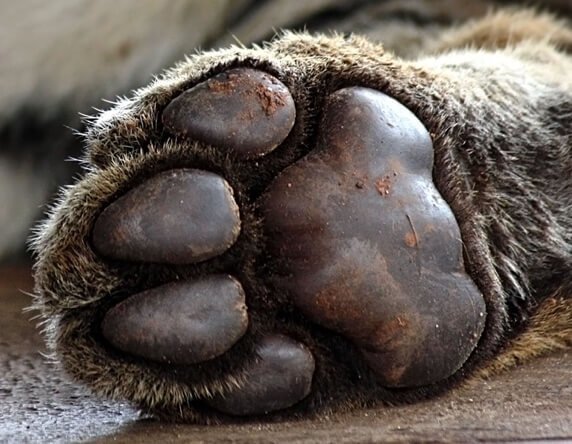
278, 379
242, 110
180, 323
371, 248
177, 217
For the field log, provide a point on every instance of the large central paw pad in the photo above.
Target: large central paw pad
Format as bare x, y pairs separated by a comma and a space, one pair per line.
371, 248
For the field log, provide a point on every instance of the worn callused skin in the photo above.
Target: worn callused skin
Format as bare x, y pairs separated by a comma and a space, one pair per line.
370, 248
351, 256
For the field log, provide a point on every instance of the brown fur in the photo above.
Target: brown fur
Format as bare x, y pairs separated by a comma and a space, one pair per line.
506, 28
500, 122
549, 329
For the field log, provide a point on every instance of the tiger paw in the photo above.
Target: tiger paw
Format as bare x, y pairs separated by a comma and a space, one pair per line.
243, 236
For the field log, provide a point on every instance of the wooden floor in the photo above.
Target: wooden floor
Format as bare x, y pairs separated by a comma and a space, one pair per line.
37, 404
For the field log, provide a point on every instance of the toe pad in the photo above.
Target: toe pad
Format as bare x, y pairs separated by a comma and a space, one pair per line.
279, 379
177, 217
243, 110
180, 323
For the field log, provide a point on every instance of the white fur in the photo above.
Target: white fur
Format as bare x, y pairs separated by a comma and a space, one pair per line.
80, 51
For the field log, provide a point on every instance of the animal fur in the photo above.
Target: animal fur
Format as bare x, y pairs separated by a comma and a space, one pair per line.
499, 107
